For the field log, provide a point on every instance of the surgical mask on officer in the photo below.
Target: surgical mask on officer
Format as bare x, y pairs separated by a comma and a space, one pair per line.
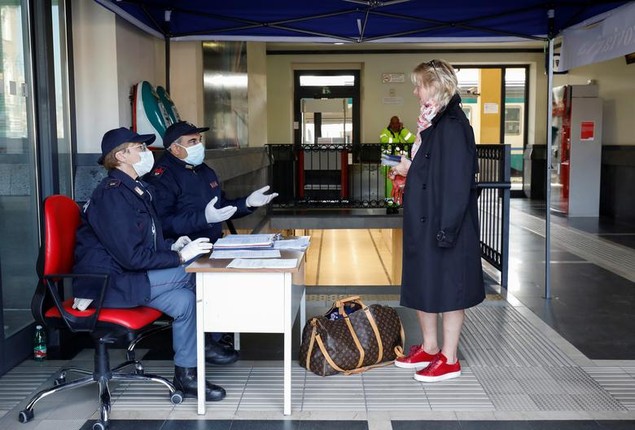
144, 165
195, 154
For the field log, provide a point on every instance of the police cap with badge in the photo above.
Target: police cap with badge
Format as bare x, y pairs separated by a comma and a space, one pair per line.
119, 136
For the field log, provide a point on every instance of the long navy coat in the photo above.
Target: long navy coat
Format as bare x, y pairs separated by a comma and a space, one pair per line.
441, 253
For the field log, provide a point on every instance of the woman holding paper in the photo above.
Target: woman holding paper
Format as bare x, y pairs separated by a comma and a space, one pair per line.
442, 273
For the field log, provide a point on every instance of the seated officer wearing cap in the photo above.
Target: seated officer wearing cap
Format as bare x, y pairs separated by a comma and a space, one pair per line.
189, 201
120, 235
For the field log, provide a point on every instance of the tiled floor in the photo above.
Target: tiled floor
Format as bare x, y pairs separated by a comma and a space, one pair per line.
528, 363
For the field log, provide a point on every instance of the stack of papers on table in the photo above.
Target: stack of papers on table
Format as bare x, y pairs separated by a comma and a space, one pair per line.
245, 241
244, 253
268, 263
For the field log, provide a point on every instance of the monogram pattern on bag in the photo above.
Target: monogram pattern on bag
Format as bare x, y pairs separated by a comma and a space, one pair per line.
340, 346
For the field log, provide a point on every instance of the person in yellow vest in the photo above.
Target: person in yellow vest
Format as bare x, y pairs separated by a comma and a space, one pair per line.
396, 133
393, 139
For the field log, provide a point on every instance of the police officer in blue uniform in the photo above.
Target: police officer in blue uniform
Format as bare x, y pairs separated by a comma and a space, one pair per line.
121, 235
189, 196
190, 201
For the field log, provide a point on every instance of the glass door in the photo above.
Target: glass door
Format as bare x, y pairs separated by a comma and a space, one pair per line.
326, 121
515, 123
326, 128
326, 107
19, 227
35, 154
495, 102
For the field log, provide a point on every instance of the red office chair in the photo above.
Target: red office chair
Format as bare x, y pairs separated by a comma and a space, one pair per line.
105, 325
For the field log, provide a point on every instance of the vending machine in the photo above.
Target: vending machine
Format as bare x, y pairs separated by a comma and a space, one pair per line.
576, 150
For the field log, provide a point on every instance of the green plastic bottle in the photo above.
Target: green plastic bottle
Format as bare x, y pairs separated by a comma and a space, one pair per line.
39, 344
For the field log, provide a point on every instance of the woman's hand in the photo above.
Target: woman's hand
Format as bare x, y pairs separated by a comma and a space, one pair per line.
401, 168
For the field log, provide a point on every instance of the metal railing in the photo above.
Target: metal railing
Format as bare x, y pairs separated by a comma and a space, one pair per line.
494, 192
351, 176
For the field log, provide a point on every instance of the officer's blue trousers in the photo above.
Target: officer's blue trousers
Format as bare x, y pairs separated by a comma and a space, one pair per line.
173, 293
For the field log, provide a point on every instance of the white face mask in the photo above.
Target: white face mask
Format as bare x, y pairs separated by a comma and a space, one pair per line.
195, 154
144, 165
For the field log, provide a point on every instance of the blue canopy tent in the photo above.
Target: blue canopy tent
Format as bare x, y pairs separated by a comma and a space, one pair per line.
372, 21
356, 21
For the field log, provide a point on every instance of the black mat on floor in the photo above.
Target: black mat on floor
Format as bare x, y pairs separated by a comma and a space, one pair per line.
515, 425
233, 425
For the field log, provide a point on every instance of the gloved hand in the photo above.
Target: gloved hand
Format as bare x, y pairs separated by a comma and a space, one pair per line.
259, 198
195, 248
180, 243
400, 169
213, 215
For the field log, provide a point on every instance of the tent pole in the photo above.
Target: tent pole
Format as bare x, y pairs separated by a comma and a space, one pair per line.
167, 17
167, 63
548, 173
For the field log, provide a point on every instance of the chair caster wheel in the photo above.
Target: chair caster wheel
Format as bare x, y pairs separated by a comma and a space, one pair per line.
100, 425
25, 416
176, 398
61, 379
139, 370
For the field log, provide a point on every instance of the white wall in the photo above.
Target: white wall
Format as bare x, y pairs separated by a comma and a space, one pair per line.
186, 80
110, 56
257, 93
96, 89
616, 86
374, 113
137, 60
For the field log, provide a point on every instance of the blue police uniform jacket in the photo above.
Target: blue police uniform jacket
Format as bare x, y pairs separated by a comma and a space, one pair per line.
181, 193
120, 235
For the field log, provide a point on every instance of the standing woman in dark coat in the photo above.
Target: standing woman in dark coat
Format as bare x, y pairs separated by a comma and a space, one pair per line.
442, 273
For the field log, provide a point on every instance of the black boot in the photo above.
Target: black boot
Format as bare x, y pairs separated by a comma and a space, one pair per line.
185, 381
217, 353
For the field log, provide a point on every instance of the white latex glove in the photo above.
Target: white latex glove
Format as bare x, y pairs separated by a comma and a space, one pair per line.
213, 215
195, 248
259, 198
180, 243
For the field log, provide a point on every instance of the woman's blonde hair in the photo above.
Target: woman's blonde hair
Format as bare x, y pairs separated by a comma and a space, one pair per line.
439, 77
110, 161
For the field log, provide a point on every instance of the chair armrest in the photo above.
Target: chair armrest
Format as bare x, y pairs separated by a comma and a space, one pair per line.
81, 321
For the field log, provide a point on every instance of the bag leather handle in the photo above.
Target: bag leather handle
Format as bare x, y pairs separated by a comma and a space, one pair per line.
326, 355
339, 304
358, 344
311, 343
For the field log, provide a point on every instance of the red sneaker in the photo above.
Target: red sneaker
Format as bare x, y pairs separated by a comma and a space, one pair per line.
439, 370
416, 358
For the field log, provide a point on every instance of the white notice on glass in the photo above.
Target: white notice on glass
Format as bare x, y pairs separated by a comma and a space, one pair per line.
269, 263
490, 108
244, 253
